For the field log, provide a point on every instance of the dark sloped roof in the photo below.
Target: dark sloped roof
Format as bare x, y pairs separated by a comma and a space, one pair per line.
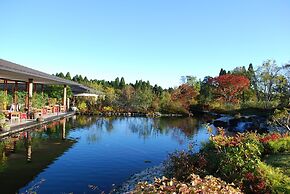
14, 72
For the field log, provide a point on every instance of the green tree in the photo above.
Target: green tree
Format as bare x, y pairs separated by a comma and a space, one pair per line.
206, 91
253, 80
67, 76
60, 75
268, 76
222, 72
142, 100
116, 83
122, 83
111, 96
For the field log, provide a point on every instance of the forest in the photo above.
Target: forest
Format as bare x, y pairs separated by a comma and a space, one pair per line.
265, 87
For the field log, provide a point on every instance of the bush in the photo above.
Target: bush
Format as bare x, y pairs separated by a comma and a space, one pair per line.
180, 165
235, 159
274, 179
108, 109
277, 145
82, 106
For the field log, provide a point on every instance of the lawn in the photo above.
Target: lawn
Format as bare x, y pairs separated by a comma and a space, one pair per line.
280, 160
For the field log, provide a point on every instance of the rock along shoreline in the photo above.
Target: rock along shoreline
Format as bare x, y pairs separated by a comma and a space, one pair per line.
146, 175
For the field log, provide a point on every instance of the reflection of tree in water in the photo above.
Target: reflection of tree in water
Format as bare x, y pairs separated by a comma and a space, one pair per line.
188, 126
179, 128
143, 127
100, 126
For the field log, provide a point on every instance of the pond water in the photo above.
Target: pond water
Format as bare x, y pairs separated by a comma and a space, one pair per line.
92, 154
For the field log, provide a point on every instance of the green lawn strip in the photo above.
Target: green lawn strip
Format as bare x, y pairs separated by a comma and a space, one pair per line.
279, 160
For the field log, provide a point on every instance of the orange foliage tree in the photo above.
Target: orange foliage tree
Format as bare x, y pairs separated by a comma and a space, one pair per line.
228, 87
185, 94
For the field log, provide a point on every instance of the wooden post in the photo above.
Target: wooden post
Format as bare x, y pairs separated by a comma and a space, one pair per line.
15, 97
27, 96
30, 92
42, 90
64, 97
5, 93
5, 87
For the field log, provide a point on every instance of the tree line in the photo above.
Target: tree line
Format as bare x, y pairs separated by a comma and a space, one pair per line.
267, 86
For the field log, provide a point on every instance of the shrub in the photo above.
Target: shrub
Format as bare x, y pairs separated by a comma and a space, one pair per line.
180, 165
82, 106
237, 155
274, 179
279, 145
108, 109
234, 159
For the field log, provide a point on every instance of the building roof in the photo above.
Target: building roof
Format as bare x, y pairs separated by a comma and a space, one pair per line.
88, 95
15, 72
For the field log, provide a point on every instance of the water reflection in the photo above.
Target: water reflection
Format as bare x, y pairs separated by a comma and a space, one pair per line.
24, 155
90, 150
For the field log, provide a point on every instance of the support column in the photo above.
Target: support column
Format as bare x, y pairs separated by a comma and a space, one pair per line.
15, 96
27, 96
42, 90
64, 97
30, 93
5, 93
5, 87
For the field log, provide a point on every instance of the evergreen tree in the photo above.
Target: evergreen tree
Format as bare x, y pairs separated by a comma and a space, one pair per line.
222, 72
75, 78
253, 80
122, 83
80, 80
61, 75
86, 79
67, 76
116, 83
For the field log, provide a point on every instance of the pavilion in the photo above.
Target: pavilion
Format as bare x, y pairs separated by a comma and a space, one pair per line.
12, 73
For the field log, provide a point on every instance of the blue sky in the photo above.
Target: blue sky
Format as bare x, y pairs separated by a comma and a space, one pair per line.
151, 40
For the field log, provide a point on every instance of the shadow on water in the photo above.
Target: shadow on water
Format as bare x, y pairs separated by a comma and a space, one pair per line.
26, 154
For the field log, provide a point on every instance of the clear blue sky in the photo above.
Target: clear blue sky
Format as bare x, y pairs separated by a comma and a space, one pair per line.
144, 39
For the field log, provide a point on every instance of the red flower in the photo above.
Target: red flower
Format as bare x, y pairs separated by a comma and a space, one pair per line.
250, 176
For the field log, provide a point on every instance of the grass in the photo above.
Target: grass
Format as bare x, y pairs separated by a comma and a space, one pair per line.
279, 160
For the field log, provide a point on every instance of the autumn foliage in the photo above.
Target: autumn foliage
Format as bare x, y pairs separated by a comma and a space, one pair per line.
185, 94
228, 87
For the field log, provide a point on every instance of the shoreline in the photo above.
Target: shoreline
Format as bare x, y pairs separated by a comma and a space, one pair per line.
146, 175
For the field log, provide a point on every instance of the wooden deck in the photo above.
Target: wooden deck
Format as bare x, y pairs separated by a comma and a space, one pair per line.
16, 126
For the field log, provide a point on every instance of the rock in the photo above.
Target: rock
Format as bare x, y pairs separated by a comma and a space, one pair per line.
146, 175
219, 123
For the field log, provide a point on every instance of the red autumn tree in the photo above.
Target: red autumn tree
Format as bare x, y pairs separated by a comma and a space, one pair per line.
228, 87
185, 94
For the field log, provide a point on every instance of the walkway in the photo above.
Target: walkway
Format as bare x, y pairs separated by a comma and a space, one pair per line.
31, 123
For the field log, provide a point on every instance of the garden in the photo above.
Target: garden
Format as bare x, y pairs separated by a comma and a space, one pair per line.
248, 162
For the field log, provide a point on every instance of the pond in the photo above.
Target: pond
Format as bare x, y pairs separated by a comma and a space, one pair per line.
85, 154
